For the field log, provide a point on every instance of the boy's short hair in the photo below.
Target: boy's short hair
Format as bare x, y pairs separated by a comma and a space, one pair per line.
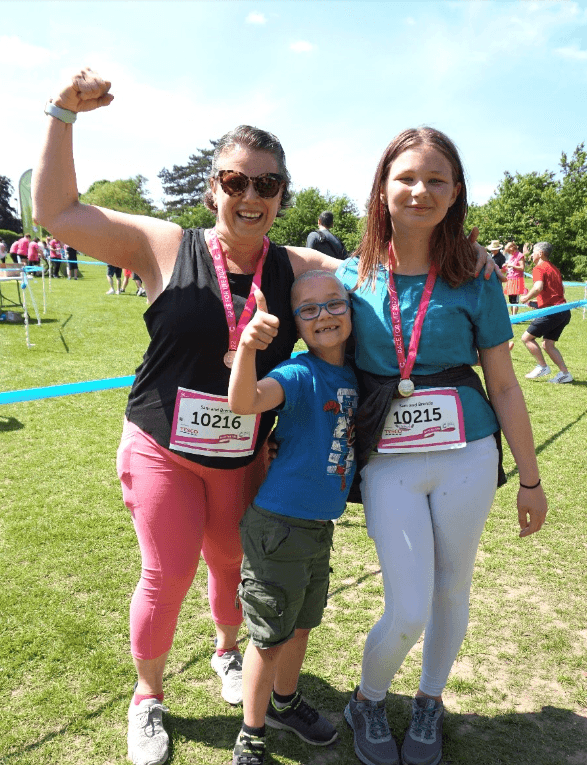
312, 275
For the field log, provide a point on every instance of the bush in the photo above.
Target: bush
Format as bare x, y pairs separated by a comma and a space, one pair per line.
9, 237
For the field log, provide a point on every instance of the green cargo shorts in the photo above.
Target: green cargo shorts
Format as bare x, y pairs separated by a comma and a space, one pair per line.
284, 575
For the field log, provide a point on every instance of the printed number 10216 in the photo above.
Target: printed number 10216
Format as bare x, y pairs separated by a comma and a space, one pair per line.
227, 421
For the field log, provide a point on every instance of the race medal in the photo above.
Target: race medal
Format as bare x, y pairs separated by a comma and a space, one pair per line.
203, 423
406, 364
235, 330
428, 421
406, 388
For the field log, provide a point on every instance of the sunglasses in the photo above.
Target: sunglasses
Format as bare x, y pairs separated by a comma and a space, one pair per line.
335, 307
234, 183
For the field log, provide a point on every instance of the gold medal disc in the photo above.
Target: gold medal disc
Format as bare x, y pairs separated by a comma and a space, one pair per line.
229, 358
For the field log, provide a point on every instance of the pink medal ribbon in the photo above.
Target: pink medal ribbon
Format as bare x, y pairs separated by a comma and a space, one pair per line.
234, 330
406, 386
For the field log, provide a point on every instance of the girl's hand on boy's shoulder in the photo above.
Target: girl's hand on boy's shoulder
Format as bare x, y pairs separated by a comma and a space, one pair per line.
263, 327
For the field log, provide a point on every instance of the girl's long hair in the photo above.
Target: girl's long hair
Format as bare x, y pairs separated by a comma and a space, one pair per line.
450, 249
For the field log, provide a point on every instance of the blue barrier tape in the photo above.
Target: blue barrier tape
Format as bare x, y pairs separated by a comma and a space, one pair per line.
52, 391
85, 262
530, 315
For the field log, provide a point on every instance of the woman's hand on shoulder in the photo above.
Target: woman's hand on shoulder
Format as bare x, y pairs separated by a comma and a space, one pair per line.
86, 91
304, 259
532, 509
484, 259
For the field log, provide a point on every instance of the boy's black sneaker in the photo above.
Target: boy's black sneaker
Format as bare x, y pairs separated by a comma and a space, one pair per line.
303, 720
248, 750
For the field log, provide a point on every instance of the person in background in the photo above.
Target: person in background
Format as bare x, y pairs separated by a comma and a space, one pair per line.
55, 257
72, 269
22, 249
324, 240
548, 290
13, 251
2, 251
514, 265
112, 273
33, 254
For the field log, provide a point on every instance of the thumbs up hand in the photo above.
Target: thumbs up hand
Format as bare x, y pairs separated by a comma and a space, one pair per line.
263, 327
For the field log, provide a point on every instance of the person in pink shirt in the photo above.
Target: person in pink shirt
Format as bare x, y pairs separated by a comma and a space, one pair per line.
55, 256
514, 287
22, 248
13, 249
33, 253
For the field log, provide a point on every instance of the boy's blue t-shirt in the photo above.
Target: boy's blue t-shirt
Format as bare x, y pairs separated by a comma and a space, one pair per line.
458, 321
311, 476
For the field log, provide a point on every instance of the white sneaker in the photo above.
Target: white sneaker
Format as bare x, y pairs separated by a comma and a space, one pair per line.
562, 377
110, 291
538, 371
148, 742
229, 667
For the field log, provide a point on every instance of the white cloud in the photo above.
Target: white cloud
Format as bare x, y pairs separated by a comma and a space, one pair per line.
256, 18
572, 53
410, 21
302, 46
24, 55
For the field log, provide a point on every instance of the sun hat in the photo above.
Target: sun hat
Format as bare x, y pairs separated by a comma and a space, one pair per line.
494, 245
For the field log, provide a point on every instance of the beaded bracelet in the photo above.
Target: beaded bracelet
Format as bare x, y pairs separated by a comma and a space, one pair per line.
536, 485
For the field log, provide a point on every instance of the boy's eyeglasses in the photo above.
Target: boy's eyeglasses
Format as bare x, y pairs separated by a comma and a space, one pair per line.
235, 183
313, 310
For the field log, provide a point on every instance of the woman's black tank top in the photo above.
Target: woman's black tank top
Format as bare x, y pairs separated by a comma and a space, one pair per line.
189, 337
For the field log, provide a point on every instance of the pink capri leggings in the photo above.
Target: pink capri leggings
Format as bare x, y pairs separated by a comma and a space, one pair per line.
180, 509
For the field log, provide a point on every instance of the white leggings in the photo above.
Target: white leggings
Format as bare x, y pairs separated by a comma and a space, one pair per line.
425, 513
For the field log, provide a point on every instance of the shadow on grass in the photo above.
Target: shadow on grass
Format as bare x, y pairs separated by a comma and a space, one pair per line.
552, 736
10, 423
545, 444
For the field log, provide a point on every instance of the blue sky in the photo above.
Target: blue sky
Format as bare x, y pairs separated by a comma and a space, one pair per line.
334, 80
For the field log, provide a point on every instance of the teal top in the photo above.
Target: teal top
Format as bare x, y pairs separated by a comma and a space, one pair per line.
458, 322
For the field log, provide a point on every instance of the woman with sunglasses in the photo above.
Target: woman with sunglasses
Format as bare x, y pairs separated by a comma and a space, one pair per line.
188, 466
426, 432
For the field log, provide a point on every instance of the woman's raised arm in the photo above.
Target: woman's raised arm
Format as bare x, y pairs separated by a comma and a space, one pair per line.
145, 245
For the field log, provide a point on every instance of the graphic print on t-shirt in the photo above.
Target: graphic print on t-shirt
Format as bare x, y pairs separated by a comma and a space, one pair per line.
342, 452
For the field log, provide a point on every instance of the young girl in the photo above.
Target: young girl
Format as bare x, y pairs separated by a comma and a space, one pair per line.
428, 439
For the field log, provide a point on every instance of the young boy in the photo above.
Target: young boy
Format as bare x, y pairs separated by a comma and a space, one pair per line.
287, 531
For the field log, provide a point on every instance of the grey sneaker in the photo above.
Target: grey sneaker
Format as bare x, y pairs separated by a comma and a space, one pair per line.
303, 720
423, 742
538, 371
374, 744
562, 377
229, 667
148, 742
248, 750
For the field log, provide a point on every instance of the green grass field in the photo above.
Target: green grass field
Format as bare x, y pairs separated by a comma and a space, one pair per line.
517, 693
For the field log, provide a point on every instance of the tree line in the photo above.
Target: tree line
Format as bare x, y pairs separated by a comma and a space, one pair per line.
530, 207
